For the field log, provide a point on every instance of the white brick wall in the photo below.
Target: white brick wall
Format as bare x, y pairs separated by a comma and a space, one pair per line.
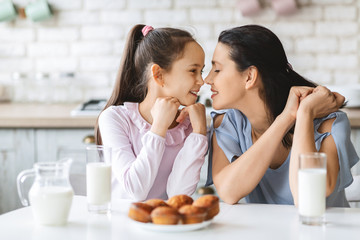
335, 2
105, 4
76, 18
15, 65
8, 34
197, 3
56, 64
12, 50
146, 4
101, 32
349, 45
66, 4
57, 34
99, 48
332, 62
211, 15
119, 17
47, 49
315, 45
87, 37
337, 28
306, 13
165, 17
340, 13
99, 63
293, 29
302, 62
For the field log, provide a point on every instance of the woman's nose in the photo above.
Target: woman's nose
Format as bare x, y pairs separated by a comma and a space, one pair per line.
207, 80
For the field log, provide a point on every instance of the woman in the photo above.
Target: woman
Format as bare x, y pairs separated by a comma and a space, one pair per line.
255, 146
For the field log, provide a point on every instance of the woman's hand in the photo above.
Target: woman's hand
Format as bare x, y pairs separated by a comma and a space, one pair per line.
163, 113
196, 112
321, 102
296, 95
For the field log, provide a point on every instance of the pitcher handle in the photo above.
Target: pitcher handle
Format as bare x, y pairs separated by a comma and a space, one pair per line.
20, 185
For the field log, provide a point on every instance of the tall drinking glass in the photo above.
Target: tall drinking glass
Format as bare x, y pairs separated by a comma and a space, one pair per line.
98, 178
312, 188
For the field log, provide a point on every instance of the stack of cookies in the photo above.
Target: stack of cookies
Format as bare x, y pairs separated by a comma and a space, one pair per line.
179, 209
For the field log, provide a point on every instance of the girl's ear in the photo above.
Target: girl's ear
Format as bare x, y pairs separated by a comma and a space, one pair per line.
251, 77
157, 76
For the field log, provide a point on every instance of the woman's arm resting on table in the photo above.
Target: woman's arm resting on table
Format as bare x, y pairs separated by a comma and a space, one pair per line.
236, 180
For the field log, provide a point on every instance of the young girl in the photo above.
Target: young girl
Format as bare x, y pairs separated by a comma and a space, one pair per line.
255, 147
158, 150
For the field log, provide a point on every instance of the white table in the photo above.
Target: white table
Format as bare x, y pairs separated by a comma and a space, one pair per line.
241, 221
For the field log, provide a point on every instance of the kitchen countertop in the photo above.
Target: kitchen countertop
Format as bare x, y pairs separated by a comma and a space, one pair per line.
354, 116
23, 115
34, 115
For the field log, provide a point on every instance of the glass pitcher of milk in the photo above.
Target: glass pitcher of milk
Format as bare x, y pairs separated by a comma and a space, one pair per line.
51, 194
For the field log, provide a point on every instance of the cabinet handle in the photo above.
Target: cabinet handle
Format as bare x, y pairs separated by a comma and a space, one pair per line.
89, 139
205, 190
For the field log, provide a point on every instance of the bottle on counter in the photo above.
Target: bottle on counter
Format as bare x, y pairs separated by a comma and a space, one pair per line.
20, 87
42, 89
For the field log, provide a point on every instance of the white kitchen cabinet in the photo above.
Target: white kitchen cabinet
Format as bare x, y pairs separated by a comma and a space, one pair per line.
17, 152
21, 148
55, 144
52, 144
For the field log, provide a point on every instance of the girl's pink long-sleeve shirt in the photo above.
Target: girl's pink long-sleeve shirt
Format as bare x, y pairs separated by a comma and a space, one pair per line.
146, 165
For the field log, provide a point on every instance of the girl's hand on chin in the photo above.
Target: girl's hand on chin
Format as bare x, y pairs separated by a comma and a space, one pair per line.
163, 113
197, 115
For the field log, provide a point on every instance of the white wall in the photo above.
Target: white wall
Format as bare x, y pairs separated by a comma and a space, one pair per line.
87, 37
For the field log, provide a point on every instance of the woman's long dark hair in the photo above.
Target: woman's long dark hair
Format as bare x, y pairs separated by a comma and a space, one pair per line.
160, 46
253, 45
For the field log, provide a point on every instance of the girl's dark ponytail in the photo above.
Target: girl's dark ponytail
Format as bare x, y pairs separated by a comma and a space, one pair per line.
127, 78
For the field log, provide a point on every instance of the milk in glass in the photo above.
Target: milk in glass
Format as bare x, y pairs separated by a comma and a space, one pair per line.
312, 192
98, 183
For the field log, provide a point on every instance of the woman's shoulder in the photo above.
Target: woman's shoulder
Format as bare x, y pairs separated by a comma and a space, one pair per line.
338, 119
229, 116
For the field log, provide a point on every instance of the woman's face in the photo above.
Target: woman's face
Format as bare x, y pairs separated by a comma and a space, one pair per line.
227, 83
184, 79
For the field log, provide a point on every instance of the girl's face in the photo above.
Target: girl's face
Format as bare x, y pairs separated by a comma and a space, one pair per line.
227, 83
184, 79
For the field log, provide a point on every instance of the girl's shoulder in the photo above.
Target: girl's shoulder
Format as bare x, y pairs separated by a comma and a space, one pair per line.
114, 111
119, 113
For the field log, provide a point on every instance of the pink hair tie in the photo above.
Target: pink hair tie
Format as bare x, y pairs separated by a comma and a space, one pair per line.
146, 30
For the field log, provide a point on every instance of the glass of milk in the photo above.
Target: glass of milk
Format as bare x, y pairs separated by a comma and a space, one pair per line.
312, 188
98, 178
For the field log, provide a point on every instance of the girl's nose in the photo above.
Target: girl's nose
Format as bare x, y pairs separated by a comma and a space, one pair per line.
200, 81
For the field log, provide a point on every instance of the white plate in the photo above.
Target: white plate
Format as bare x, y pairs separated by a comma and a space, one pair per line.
171, 228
